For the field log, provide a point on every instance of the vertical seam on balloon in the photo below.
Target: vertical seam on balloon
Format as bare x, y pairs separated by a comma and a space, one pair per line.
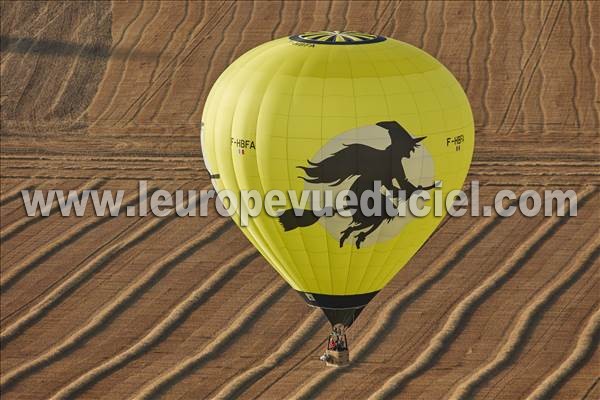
223, 87
326, 232
397, 238
219, 85
446, 129
378, 233
288, 159
298, 274
421, 125
395, 241
348, 266
264, 242
365, 267
217, 158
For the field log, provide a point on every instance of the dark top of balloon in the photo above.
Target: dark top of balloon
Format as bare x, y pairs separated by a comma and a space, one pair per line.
337, 38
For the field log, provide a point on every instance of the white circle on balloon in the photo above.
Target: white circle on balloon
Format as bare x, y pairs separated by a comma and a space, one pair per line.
419, 169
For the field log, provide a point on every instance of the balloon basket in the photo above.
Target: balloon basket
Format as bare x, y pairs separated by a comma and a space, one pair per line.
336, 352
337, 358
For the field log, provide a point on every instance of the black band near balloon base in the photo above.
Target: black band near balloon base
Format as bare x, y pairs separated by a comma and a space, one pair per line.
339, 309
337, 302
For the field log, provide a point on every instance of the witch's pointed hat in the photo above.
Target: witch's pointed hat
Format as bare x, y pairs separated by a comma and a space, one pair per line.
399, 136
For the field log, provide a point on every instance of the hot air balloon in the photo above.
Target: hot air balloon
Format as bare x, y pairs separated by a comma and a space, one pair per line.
337, 111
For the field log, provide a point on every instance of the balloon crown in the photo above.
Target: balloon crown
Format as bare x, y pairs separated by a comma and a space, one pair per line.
337, 37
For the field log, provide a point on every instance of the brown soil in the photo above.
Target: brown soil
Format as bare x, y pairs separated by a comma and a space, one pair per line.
101, 95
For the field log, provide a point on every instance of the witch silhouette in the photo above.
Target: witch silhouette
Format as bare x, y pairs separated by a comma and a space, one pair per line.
369, 165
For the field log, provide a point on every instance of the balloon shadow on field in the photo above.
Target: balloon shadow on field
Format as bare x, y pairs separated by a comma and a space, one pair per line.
51, 47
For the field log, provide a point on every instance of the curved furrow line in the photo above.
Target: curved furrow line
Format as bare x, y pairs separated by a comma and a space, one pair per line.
591, 389
178, 65
535, 68
518, 335
377, 16
103, 256
526, 173
461, 312
126, 63
190, 34
541, 104
592, 49
142, 157
106, 314
115, 44
76, 60
431, 23
245, 318
19, 225
536, 163
157, 58
103, 158
487, 66
522, 41
297, 20
204, 86
29, 83
233, 53
139, 43
441, 42
328, 13
344, 14
175, 67
474, 27
160, 331
15, 192
125, 168
33, 42
587, 342
546, 185
19, 33
397, 302
230, 59
48, 85
161, 177
43, 252
294, 367
425, 25
391, 18
10, 12
574, 75
235, 387
37, 88
15, 24
126, 27
279, 20
520, 80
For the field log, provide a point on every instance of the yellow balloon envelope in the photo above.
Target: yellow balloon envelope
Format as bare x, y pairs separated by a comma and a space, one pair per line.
337, 111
